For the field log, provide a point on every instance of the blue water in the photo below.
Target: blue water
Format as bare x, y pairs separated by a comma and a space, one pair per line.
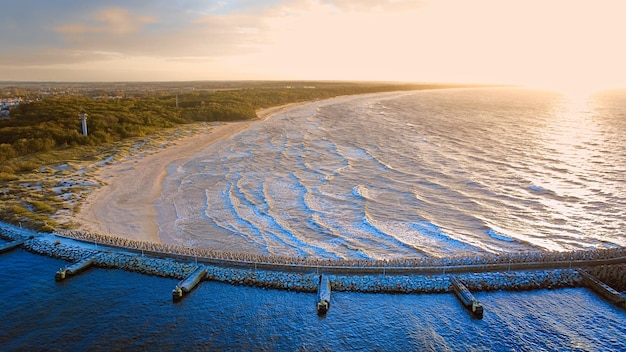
105, 309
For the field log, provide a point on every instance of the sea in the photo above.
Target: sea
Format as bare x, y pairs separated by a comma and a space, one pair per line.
403, 174
411, 174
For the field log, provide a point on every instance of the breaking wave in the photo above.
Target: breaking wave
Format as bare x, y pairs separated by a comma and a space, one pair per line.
411, 174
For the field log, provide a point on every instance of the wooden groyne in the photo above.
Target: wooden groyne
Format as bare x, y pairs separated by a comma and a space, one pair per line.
466, 297
603, 289
10, 246
185, 286
74, 269
612, 275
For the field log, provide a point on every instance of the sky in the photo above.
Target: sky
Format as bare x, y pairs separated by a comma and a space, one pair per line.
561, 43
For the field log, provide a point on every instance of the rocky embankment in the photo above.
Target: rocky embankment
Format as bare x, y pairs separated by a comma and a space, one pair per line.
519, 280
430, 265
109, 257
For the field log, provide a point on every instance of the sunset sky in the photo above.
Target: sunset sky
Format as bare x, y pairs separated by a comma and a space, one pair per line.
542, 42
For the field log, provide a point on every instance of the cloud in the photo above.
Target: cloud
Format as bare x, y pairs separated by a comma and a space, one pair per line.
165, 30
252, 35
478, 40
112, 21
55, 56
78, 31
119, 40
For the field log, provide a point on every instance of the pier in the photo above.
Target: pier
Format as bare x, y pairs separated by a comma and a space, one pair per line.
74, 269
603, 289
185, 286
323, 295
466, 297
7, 247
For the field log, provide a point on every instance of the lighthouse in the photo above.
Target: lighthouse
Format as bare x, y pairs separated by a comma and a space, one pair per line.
83, 120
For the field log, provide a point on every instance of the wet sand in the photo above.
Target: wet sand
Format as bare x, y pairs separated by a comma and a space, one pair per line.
123, 206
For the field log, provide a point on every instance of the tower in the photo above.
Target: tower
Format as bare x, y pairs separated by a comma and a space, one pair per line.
83, 120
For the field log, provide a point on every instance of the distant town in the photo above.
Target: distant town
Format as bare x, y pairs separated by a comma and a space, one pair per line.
12, 94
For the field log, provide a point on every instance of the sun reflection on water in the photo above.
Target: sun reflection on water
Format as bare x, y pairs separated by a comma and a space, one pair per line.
572, 141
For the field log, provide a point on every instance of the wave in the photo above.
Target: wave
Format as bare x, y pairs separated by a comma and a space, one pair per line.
440, 173
497, 236
360, 191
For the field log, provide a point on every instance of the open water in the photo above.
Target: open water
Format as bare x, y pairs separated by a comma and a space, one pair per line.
113, 310
411, 174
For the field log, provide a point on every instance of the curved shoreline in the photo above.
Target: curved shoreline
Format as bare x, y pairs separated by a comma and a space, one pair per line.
130, 187
143, 211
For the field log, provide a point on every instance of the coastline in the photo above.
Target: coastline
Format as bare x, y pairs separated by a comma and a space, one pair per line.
123, 205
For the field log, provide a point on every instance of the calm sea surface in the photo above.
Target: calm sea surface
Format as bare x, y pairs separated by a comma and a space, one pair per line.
430, 173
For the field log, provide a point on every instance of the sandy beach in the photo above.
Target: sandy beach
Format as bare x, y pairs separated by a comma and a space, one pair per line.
123, 206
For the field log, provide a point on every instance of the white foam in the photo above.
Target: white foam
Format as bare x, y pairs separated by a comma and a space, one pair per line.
400, 182
497, 236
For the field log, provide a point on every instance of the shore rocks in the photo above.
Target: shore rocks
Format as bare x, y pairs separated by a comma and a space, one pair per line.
180, 268
58, 250
503, 261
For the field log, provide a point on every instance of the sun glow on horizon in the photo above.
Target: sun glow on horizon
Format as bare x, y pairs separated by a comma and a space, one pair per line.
559, 45
574, 90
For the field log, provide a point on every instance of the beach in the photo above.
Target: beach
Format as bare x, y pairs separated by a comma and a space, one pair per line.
123, 206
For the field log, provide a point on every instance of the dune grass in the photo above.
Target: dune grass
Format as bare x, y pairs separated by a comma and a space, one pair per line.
41, 191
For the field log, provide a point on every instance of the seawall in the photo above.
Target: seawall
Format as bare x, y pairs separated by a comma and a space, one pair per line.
305, 281
466, 263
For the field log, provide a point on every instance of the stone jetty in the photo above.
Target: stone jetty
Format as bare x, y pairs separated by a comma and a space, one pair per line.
323, 295
6, 247
479, 273
74, 269
603, 289
185, 286
466, 298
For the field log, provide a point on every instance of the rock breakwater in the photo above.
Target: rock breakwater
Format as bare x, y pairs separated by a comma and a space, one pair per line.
182, 263
504, 261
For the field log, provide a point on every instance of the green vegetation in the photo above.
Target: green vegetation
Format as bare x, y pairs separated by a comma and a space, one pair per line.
46, 130
52, 123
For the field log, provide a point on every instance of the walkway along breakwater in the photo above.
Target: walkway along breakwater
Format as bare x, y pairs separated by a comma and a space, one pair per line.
71, 270
466, 297
524, 271
185, 286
